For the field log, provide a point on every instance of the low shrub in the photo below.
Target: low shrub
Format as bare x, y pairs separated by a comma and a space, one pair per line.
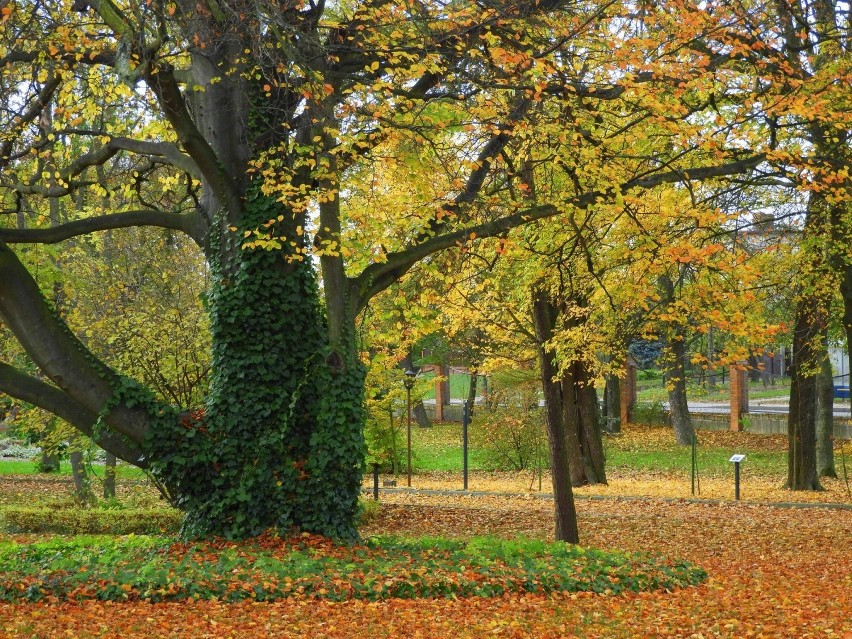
305, 566
369, 510
512, 437
75, 521
510, 427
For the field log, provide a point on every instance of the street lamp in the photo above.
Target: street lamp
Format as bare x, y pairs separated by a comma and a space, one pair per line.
409, 384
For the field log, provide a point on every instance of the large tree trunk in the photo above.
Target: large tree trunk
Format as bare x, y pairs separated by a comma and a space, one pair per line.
544, 318
801, 421
281, 443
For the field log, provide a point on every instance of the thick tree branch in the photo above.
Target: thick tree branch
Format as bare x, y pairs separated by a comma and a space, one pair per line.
174, 108
377, 277
190, 223
59, 354
34, 391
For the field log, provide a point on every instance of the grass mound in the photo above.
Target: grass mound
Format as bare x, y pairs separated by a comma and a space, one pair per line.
305, 566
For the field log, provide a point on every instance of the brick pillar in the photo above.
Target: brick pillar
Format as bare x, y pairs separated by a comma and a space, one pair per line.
627, 386
739, 396
442, 391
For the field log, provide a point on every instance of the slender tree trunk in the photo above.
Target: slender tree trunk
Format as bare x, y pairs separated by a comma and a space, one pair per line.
590, 426
846, 290
612, 404
753, 369
825, 418
674, 364
109, 476
471, 391
678, 407
82, 485
544, 318
48, 463
569, 403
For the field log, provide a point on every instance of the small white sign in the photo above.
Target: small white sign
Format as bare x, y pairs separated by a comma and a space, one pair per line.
737, 458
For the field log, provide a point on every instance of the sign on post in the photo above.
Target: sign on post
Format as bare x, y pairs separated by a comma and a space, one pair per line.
736, 459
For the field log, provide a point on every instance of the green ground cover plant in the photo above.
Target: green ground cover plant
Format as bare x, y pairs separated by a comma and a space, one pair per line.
270, 567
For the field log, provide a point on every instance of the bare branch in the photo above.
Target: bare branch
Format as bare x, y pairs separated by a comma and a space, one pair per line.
165, 152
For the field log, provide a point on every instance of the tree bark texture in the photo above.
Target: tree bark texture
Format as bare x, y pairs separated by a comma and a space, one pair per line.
676, 382
801, 421
825, 419
612, 404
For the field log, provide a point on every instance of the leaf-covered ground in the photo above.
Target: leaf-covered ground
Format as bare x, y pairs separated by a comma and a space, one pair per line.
773, 573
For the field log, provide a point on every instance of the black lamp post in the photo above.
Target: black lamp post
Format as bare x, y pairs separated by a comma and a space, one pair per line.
409, 384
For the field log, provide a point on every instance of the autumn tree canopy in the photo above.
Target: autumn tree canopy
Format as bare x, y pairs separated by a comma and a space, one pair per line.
251, 126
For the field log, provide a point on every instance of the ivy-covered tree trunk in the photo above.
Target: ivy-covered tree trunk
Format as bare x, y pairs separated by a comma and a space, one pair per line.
280, 441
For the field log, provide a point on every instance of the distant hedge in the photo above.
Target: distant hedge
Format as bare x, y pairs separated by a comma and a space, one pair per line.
75, 521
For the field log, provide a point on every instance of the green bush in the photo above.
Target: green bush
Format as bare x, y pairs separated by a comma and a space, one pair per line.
512, 437
649, 413
74, 521
510, 428
369, 510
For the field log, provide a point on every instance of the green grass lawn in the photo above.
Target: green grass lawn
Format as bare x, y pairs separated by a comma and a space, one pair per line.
22, 467
459, 385
712, 461
439, 448
655, 391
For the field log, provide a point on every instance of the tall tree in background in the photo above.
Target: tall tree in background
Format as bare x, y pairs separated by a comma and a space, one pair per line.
816, 40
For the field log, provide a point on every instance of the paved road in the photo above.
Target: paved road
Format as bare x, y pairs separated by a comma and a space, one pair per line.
756, 406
